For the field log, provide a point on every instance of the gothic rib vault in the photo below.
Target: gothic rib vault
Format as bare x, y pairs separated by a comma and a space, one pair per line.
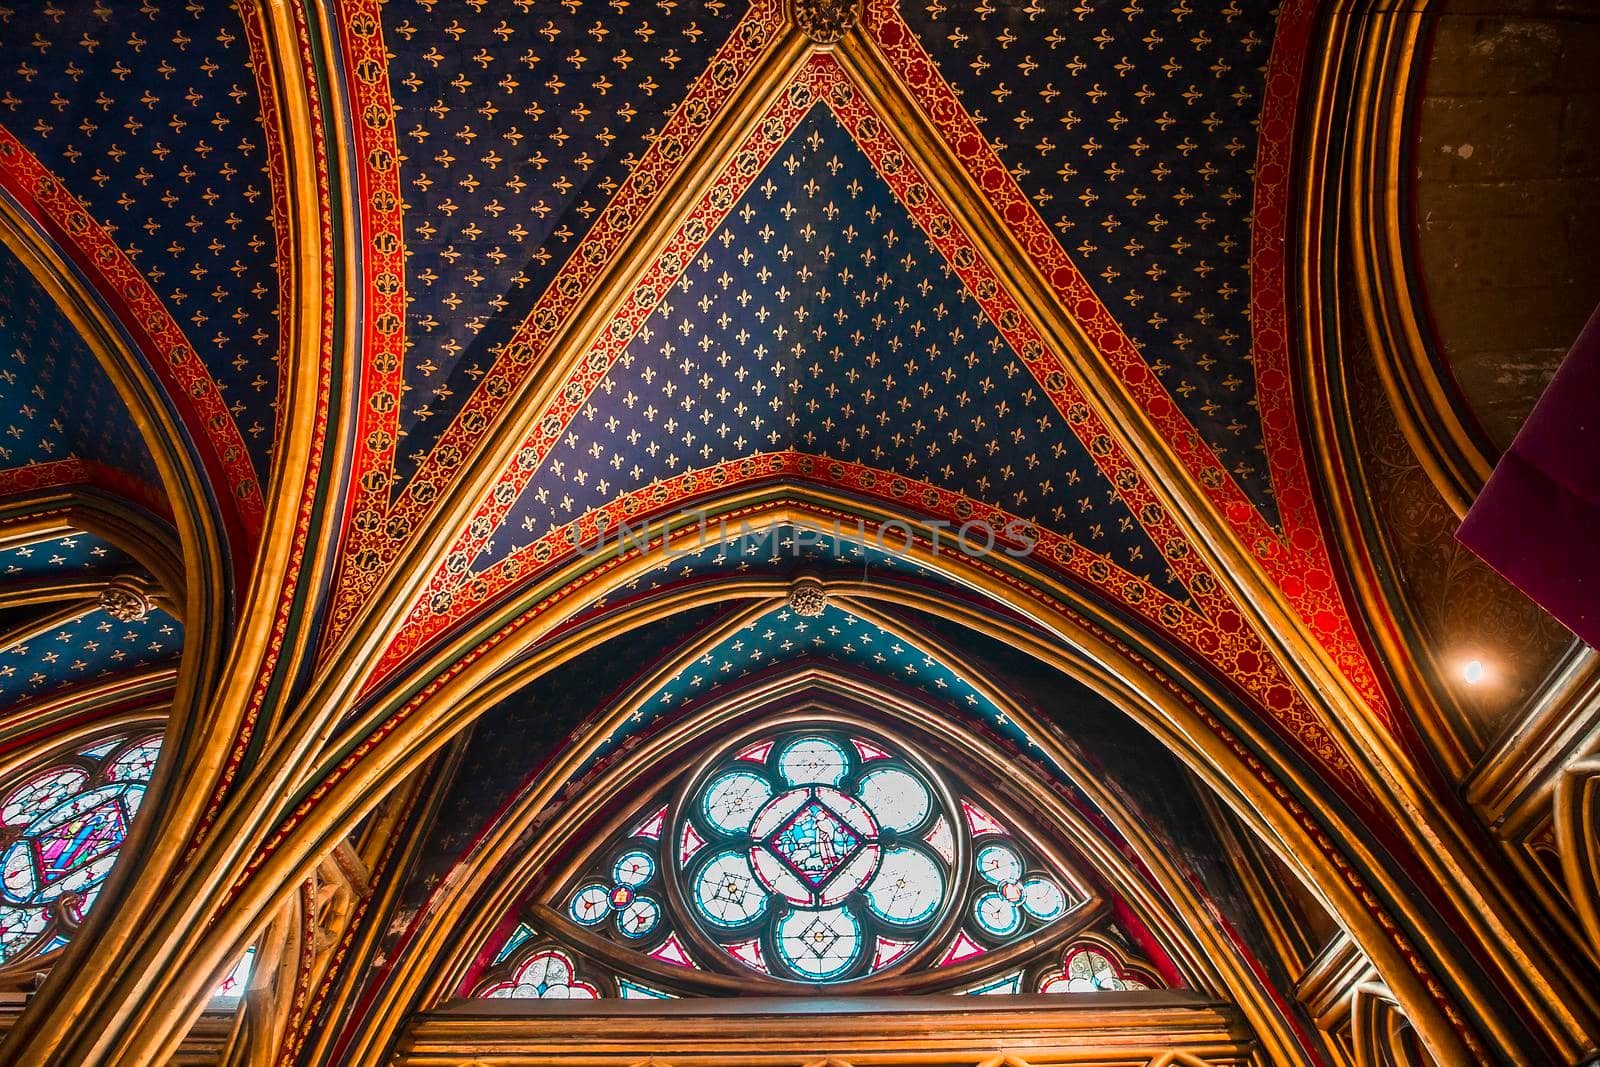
446, 424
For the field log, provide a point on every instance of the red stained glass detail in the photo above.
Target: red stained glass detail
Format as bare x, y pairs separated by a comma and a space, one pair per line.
691, 843
756, 753
867, 750
964, 948
749, 953
888, 951
653, 826
980, 821
80, 841
672, 951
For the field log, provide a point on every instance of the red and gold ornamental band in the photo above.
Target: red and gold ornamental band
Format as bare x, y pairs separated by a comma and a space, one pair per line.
799, 533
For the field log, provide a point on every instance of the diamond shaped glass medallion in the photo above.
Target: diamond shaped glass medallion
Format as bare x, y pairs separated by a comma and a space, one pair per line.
815, 842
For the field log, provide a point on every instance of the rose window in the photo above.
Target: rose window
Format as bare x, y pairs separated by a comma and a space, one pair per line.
808, 854
817, 856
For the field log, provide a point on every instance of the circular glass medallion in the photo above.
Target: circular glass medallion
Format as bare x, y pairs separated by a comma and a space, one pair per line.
900, 802
639, 917
633, 868
819, 944
591, 904
813, 761
997, 915
806, 867
732, 800
726, 893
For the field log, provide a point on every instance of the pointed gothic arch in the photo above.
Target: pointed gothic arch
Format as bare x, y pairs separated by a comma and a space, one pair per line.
1230, 751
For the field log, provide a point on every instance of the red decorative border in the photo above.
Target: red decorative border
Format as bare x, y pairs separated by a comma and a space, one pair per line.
1297, 561
377, 530
60, 472
1229, 644
182, 374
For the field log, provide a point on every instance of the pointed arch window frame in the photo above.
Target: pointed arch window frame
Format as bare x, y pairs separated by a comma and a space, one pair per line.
117, 735
904, 721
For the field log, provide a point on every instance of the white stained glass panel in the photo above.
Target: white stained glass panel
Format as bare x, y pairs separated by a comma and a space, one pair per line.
895, 798
137, 764
639, 917
726, 893
1043, 899
907, 888
633, 868
999, 864
997, 915
732, 800
41, 793
590, 905
813, 761
819, 944
18, 928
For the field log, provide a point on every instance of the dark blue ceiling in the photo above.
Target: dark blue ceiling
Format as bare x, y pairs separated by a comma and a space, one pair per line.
837, 637
90, 648
55, 400
74, 555
820, 318
149, 114
1132, 128
87, 649
516, 128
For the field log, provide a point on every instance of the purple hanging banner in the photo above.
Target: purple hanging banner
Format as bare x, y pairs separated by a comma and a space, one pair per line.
1537, 520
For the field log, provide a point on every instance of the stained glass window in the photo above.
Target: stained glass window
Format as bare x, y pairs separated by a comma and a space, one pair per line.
807, 856
62, 826
819, 855
233, 984
1096, 965
549, 974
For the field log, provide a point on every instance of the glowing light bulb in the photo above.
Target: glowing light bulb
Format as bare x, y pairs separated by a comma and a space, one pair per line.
1473, 671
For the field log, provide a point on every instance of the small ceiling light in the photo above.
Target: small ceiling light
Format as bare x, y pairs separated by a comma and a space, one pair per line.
1473, 671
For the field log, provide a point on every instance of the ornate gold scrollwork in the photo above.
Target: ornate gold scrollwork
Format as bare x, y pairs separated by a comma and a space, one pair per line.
825, 21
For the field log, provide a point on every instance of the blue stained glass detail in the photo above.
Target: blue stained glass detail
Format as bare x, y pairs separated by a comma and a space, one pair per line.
726, 892
819, 944
518, 936
997, 915
733, 799
908, 888
999, 864
1005, 985
898, 801
810, 871
631, 990
590, 905
64, 825
818, 853
1043, 899
639, 917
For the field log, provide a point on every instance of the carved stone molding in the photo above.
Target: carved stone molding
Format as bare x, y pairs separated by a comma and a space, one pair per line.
1381, 1033
808, 597
1188, 1029
125, 599
825, 21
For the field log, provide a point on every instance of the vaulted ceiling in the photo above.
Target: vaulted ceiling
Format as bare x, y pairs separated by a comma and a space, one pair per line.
448, 340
